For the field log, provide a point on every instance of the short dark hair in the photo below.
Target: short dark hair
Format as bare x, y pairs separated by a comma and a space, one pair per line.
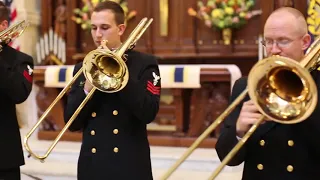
4, 12
114, 7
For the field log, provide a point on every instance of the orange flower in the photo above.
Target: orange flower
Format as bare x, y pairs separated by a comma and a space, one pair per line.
192, 12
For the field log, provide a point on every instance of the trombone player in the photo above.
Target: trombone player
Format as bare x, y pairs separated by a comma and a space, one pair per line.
115, 143
16, 84
275, 151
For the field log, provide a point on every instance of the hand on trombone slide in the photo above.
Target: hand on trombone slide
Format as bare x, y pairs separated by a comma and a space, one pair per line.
249, 114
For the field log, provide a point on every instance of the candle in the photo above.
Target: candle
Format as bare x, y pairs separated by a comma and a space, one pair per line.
55, 44
38, 53
60, 48
64, 52
42, 48
51, 40
46, 44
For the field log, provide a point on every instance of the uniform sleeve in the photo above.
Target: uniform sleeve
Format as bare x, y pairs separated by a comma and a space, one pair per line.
75, 97
16, 81
228, 136
142, 95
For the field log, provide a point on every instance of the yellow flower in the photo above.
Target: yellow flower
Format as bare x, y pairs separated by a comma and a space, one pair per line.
84, 26
217, 13
78, 20
95, 2
242, 14
229, 10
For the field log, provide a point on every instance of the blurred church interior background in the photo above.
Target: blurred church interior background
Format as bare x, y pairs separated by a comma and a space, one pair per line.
209, 55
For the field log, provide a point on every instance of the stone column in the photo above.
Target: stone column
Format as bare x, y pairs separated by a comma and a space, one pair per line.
29, 11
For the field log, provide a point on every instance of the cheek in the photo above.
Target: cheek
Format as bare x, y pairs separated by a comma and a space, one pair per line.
110, 33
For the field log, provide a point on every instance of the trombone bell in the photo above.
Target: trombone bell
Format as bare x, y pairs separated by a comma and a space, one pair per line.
286, 94
105, 70
12, 32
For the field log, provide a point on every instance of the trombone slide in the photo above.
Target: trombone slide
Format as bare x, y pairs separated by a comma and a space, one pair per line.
205, 134
237, 147
65, 128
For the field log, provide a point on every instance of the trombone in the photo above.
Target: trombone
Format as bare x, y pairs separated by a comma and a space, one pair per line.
105, 70
285, 92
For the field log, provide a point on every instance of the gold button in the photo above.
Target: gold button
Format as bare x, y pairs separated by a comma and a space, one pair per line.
93, 150
262, 142
93, 133
93, 114
289, 168
290, 143
115, 131
260, 166
115, 150
115, 112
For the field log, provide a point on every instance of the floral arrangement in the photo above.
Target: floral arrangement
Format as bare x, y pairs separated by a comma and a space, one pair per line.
225, 14
82, 15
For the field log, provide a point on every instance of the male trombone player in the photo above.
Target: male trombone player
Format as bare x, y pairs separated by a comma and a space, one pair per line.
115, 143
15, 86
275, 151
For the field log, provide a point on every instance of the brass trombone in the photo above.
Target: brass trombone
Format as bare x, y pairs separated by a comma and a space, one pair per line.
282, 89
12, 32
105, 70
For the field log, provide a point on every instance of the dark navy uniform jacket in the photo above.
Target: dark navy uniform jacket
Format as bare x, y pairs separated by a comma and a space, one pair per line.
115, 144
16, 73
275, 151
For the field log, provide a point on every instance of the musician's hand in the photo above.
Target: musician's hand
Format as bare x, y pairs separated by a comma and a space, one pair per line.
87, 86
249, 114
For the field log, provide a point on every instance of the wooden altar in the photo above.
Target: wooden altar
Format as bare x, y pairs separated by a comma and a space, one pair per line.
184, 40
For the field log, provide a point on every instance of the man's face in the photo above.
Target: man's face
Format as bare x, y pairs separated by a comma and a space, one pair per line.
104, 27
283, 37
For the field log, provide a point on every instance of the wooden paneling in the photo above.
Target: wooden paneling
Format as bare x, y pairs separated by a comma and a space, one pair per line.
187, 36
144, 43
180, 29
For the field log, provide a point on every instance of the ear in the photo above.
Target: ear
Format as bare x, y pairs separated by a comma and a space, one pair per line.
306, 41
122, 28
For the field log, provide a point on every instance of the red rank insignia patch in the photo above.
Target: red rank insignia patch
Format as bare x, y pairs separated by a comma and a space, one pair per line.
27, 76
152, 88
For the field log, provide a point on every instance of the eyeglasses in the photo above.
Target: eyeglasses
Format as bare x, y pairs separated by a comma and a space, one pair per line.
281, 43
